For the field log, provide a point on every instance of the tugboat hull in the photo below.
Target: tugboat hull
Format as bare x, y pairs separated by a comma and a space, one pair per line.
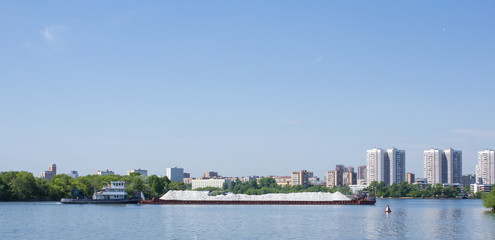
100, 201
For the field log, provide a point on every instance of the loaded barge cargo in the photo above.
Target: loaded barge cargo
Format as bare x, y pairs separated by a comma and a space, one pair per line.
204, 197
202, 202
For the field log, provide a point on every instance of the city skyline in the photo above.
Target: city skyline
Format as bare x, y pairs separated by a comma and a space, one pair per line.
244, 88
444, 166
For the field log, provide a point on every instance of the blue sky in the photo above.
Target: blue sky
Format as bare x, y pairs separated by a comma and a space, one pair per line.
243, 88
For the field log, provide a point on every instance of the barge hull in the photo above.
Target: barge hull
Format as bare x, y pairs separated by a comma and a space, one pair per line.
212, 202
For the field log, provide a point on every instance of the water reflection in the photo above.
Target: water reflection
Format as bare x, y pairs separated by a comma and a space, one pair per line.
409, 219
443, 222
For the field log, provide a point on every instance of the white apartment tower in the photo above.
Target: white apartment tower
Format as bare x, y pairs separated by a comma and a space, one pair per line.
374, 165
433, 165
395, 160
453, 165
443, 166
485, 169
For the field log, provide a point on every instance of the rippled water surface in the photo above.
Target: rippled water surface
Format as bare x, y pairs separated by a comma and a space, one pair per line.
410, 219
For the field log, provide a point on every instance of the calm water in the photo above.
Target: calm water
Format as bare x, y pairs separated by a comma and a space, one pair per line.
410, 219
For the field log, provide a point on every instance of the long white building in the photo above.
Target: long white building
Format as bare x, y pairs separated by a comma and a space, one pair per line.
485, 169
396, 161
212, 182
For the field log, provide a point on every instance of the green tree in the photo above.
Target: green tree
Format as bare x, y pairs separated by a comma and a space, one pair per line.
23, 186
135, 184
176, 185
60, 186
489, 200
5, 190
157, 186
268, 182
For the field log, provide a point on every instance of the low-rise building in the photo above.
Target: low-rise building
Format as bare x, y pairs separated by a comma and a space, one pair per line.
73, 174
455, 185
422, 182
410, 178
210, 174
314, 180
247, 178
356, 188
362, 182
212, 182
141, 171
187, 180
475, 187
103, 173
282, 180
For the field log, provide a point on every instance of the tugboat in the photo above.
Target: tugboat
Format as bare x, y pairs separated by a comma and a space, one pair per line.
111, 194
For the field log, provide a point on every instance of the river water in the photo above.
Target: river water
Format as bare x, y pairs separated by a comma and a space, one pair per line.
409, 219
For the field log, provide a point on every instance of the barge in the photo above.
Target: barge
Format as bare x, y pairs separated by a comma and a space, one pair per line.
204, 198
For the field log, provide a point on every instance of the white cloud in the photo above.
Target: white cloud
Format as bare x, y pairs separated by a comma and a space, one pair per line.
291, 122
51, 34
477, 133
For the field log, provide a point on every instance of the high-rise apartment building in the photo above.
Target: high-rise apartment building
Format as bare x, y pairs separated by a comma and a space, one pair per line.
300, 178
53, 168
340, 167
349, 178
374, 165
334, 179
361, 173
469, 179
349, 169
485, 169
395, 161
453, 166
443, 166
388, 166
433, 166
175, 174
52, 171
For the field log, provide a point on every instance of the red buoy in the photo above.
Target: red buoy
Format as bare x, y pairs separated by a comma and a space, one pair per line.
387, 210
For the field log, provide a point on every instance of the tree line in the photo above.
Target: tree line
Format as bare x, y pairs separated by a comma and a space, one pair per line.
23, 186
416, 191
269, 185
